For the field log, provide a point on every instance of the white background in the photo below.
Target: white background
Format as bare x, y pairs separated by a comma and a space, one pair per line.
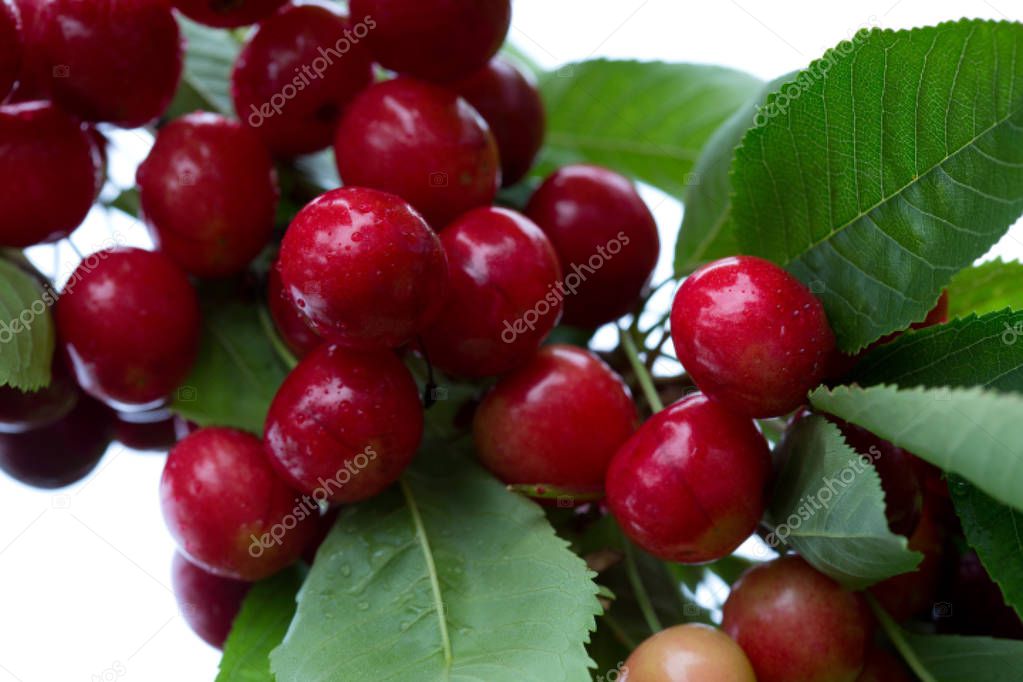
84, 573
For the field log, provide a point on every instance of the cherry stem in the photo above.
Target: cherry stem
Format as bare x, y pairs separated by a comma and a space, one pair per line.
897, 638
543, 491
642, 598
646, 382
283, 352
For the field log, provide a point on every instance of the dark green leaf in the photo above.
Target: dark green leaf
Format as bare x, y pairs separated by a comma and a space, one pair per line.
27, 333
986, 288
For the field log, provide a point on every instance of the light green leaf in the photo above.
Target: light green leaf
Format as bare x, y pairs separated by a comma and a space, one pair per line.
885, 168
206, 79
259, 627
986, 288
645, 119
27, 332
829, 506
446, 577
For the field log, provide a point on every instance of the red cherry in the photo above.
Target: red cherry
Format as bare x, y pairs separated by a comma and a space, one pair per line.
364, 267
883, 667
296, 74
117, 61
689, 485
688, 653
502, 299
50, 170
227, 509
976, 605
344, 425
440, 40
209, 194
227, 13
208, 603
156, 430
511, 105
751, 335
129, 321
557, 420
797, 624
295, 328
33, 74
422, 142
10, 46
605, 236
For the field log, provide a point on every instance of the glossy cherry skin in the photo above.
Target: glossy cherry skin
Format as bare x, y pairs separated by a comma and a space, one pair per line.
344, 425
10, 46
116, 61
227, 13
883, 666
364, 267
50, 170
60, 452
689, 486
557, 420
797, 624
510, 103
422, 142
502, 298
294, 328
751, 335
605, 236
129, 322
155, 431
209, 194
295, 76
228, 510
688, 653
438, 40
24, 411
208, 602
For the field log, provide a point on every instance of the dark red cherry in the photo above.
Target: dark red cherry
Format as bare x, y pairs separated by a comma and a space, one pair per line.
438, 40
208, 602
227, 13
883, 666
50, 170
344, 425
294, 328
976, 605
797, 624
155, 430
364, 267
510, 103
129, 321
689, 486
34, 73
116, 61
323, 527
26, 410
422, 142
503, 297
688, 653
10, 46
209, 194
751, 335
295, 76
606, 239
227, 509
557, 420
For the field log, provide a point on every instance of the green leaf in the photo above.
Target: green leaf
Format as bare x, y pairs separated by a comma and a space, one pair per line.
973, 432
829, 506
27, 332
259, 627
206, 79
238, 371
986, 288
885, 168
447, 576
645, 119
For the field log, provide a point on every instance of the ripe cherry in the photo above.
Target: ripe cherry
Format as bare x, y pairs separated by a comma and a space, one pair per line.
688, 653
751, 335
976, 605
155, 430
129, 321
440, 40
227, 13
558, 420
117, 61
502, 299
208, 602
10, 46
797, 624
364, 267
344, 425
689, 486
296, 74
294, 328
605, 236
209, 194
882, 666
33, 74
23, 411
422, 142
228, 511
51, 173
511, 105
